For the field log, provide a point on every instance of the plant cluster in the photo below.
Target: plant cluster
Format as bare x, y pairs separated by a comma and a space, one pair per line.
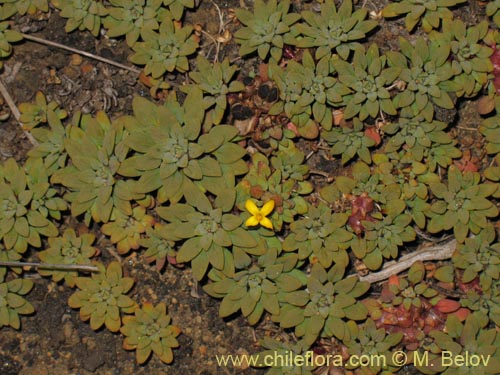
333, 30
149, 330
25, 208
102, 298
366, 82
266, 29
305, 90
33, 114
471, 336
68, 249
132, 19
429, 13
471, 63
166, 50
82, 14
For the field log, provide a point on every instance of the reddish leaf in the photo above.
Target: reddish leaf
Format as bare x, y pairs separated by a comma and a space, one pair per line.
393, 280
291, 126
462, 313
447, 306
373, 133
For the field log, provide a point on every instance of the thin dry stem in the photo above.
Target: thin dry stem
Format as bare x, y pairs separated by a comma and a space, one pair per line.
15, 112
80, 52
437, 252
64, 267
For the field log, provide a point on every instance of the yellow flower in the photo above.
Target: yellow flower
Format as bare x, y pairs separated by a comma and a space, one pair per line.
259, 215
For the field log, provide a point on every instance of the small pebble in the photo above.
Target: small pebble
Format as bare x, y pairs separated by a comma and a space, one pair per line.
221, 350
206, 338
76, 59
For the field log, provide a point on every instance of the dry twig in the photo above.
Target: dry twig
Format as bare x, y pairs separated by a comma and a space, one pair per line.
15, 112
437, 252
80, 52
64, 267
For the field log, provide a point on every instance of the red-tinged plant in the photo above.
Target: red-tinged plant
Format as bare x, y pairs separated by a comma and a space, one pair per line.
362, 206
468, 162
495, 60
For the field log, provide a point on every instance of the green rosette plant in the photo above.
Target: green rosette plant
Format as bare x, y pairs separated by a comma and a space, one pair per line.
33, 114
290, 161
412, 179
131, 18
82, 14
470, 57
265, 30
471, 337
383, 237
366, 80
209, 235
215, 80
45, 198
430, 12
427, 74
67, 249
160, 246
332, 30
349, 140
479, 257
102, 298
11, 7
21, 222
175, 159
306, 89
462, 204
365, 184
125, 230
166, 50
374, 342
321, 237
6, 38
12, 302
50, 148
415, 136
96, 150
149, 331
324, 307
259, 287
442, 155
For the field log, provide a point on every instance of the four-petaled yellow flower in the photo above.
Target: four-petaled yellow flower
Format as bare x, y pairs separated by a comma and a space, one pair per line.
259, 215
